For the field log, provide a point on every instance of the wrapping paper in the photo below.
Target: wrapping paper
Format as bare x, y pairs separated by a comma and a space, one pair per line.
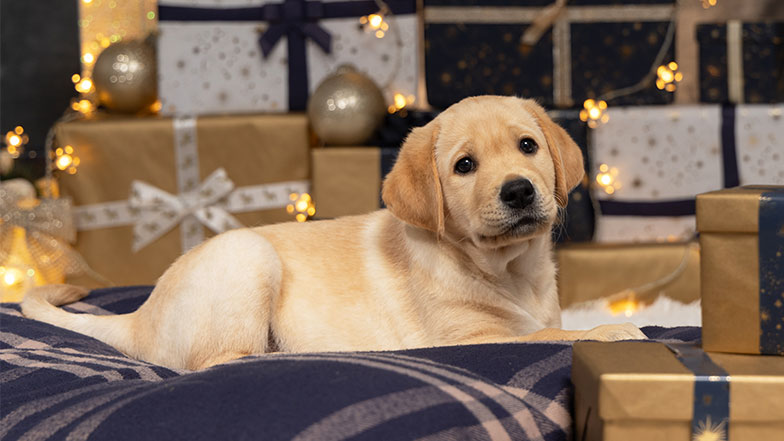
742, 269
665, 156
474, 47
211, 66
347, 180
591, 271
741, 62
641, 391
263, 157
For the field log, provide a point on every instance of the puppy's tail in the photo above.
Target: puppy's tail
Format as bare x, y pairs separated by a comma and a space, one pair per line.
41, 303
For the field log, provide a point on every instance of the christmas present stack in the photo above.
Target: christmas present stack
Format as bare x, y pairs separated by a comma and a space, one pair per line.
726, 394
648, 165
233, 145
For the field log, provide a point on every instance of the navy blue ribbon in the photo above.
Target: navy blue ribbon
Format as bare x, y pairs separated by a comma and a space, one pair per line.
297, 20
685, 207
711, 390
771, 271
728, 151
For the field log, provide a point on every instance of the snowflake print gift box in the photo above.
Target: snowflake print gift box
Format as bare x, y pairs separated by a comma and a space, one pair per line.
646, 391
742, 269
250, 56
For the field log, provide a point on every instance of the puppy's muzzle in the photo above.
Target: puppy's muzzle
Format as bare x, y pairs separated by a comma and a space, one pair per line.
517, 194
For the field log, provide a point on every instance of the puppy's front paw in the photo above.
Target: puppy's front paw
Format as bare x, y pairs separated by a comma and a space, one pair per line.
626, 331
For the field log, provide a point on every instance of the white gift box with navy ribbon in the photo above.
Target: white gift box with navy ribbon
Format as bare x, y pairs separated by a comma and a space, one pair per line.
244, 56
658, 158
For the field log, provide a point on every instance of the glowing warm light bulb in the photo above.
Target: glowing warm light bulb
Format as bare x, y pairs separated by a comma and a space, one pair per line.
667, 75
84, 86
14, 140
64, 162
400, 100
593, 112
88, 58
627, 306
375, 23
302, 205
606, 178
12, 276
375, 20
65, 159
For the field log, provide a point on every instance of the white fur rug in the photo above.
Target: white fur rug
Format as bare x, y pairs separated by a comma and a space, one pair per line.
662, 312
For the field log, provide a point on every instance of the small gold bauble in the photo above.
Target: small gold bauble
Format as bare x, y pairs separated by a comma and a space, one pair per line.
346, 108
125, 76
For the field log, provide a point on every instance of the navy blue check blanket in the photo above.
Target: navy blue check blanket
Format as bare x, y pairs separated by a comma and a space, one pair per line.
56, 384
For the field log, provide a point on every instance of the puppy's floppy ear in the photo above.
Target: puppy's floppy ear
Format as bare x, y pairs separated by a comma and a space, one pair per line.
567, 157
412, 190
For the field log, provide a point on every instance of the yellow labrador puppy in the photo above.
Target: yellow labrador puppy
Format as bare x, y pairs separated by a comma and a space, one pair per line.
462, 255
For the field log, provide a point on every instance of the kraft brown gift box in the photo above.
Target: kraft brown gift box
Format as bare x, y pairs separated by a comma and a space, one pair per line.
253, 150
591, 271
347, 180
640, 391
742, 240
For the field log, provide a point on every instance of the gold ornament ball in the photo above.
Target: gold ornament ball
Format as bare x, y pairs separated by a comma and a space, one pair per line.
125, 76
346, 108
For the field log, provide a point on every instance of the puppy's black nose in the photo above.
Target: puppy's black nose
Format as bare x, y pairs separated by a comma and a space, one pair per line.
518, 193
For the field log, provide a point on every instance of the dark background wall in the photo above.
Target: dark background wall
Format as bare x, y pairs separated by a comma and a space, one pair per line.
39, 51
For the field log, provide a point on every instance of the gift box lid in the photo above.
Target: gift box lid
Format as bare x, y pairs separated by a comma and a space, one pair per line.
736, 209
645, 381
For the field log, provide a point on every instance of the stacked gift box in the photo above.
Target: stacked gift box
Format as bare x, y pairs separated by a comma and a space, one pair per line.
730, 387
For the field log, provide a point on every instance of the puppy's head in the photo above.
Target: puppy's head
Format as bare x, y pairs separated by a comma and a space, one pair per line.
491, 169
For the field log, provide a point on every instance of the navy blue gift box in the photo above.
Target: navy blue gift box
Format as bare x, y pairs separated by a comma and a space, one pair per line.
474, 47
741, 62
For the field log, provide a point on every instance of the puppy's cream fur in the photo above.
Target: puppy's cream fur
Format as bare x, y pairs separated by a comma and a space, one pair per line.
448, 263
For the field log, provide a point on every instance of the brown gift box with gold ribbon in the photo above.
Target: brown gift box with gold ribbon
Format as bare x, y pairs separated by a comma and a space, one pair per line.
592, 271
742, 269
147, 189
647, 391
347, 180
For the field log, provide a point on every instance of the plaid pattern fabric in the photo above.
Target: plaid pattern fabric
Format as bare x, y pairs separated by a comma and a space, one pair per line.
56, 384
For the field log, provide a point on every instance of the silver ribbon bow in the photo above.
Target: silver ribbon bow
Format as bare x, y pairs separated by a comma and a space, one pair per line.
160, 211
48, 226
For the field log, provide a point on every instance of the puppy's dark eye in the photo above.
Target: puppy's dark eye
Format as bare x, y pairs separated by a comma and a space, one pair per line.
528, 146
465, 165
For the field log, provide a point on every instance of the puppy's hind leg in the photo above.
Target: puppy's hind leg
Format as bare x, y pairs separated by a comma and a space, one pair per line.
215, 303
